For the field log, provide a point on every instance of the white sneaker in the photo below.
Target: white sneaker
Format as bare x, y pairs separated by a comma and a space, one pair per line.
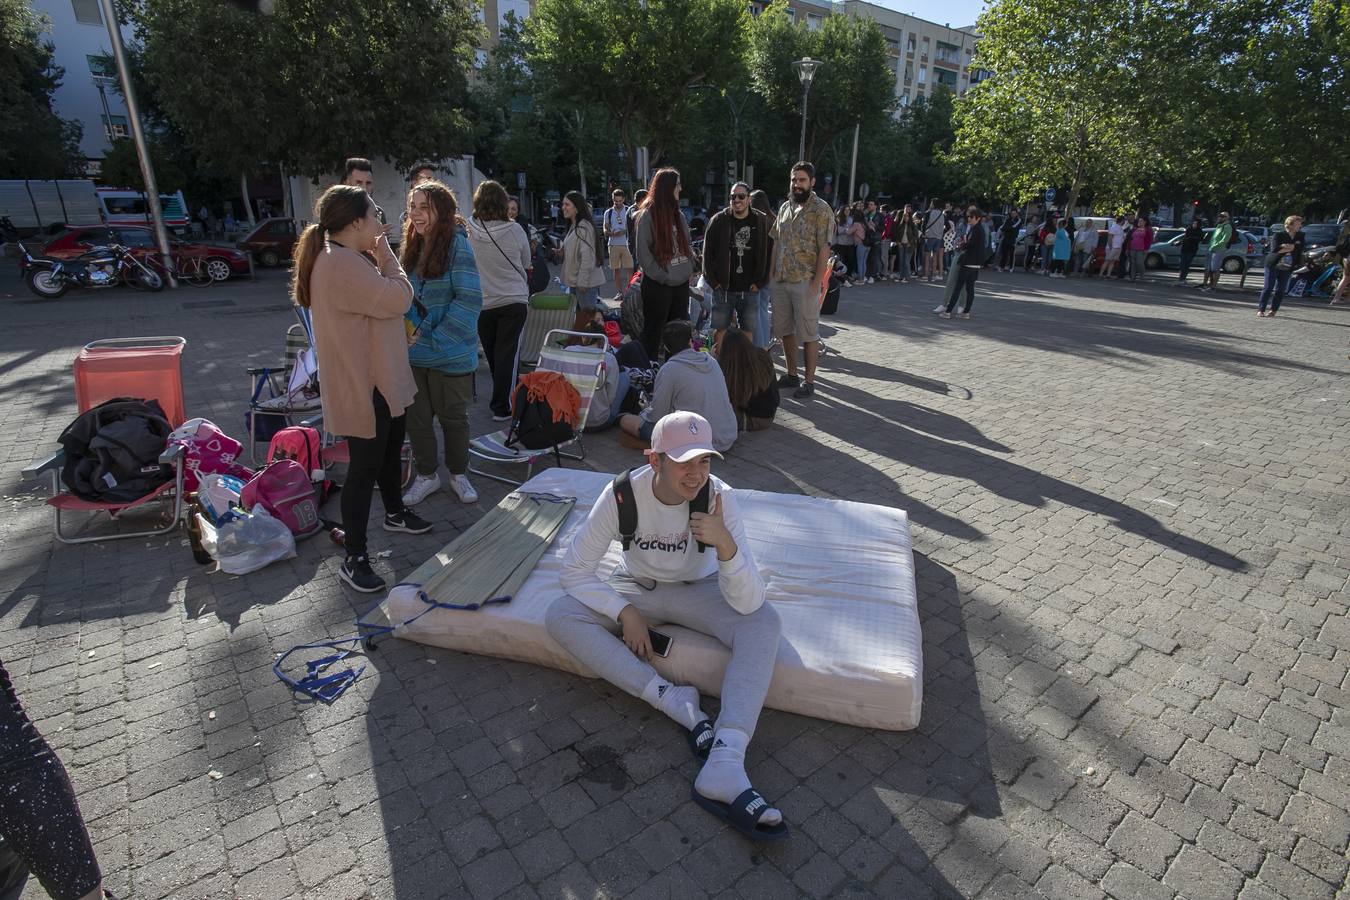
423, 486
938, 309
869, 281
463, 489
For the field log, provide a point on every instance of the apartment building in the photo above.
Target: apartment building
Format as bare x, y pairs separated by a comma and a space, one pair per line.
88, 91
922, 54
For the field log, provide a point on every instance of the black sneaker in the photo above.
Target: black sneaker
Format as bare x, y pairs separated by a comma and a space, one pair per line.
806, 390
407, 522
789, 381
357, 573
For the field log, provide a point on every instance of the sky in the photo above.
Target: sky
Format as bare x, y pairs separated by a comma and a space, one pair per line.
957, 13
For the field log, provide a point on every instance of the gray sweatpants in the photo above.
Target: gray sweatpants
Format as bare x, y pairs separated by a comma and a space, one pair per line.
753, 640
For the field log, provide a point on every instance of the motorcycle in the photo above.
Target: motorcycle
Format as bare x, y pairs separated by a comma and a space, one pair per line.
102, 267
1319, 275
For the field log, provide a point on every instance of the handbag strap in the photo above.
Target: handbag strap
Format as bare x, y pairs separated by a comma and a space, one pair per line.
518, 269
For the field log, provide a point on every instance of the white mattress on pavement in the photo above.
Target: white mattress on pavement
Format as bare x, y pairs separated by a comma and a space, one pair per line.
840, 575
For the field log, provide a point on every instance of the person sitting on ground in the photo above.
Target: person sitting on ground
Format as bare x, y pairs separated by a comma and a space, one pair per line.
752, 384
662, 560
688, 380
614, 394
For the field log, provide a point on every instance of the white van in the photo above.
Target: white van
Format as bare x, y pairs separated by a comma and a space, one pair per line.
123, 207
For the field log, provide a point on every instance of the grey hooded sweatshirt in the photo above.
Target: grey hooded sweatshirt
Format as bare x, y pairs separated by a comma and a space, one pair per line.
692, 381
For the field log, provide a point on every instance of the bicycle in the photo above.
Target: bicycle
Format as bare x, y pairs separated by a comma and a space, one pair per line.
190, 270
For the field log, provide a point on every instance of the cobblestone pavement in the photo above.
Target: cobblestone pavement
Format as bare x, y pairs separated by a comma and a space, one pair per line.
1130, 516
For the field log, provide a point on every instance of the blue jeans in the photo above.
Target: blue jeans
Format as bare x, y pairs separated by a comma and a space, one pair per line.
742, 303
762, 337
1277, 282
905, 253
701, 301
861, 251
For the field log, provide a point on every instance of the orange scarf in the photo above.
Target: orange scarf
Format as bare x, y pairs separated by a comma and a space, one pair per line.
555, 389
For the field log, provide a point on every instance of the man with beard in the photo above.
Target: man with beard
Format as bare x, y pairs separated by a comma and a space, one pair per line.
801, 233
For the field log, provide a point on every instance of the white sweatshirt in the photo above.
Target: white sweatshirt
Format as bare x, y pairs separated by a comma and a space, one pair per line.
663, 550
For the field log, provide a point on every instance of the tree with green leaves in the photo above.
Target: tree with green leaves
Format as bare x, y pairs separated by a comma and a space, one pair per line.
1063, 107
34, 141
311, 84
853, 85
639, 60
122, 167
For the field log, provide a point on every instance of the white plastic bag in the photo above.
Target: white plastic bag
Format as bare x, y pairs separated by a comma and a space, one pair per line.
247, 543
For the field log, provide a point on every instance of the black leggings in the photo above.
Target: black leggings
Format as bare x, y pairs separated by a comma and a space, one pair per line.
661, 303
1006, 251
499, 329
39, 817
965, 277
374, 461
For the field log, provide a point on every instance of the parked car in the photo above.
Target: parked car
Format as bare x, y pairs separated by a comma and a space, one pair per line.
220, 262
271, 242
1321, 234
1245, 254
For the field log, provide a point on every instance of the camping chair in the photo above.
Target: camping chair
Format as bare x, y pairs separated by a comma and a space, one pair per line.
147, 368
278, 379
581, 365
547, 313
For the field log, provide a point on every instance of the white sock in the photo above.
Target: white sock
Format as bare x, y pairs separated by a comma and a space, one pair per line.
723, 776
680, 702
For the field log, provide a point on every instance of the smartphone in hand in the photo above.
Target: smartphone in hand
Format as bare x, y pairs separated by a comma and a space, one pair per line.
660, 642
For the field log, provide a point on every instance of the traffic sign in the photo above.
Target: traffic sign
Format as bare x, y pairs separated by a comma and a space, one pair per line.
1049, 195
520, 181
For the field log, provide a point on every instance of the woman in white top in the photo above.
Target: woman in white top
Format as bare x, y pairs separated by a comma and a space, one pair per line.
582, 259
502, 252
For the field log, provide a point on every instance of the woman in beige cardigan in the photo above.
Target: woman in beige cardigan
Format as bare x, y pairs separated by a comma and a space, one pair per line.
358, 308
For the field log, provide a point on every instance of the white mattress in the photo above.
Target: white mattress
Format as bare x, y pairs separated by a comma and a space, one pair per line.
840, 575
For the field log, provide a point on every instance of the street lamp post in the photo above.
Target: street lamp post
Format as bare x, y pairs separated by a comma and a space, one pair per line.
806, 70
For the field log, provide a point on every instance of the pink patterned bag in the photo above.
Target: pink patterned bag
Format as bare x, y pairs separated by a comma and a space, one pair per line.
207, 450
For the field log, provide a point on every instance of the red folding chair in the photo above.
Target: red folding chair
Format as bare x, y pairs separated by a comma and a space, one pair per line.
144, 368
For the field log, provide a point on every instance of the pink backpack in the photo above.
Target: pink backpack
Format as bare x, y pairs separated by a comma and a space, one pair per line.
285, 491
304, 445
207, 451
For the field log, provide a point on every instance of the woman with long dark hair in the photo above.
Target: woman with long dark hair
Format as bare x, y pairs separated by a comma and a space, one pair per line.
665, 256
501, 249
443, 324
752, 383
760, 201
583, 268
358, 307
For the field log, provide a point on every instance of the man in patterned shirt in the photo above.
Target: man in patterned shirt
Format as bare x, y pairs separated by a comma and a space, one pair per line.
801, 234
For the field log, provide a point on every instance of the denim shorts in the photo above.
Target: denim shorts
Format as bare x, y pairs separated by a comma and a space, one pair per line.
744, 303
932, 245
1215, 261
645, 430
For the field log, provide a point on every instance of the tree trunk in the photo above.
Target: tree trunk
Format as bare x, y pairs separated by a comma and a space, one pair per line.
287, 204
581, 169
248, 204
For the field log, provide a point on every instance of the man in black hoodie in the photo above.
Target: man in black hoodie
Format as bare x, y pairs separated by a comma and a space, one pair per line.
736, 261
971, 258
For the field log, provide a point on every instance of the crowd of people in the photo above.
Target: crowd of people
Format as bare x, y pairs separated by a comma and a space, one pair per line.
398, 338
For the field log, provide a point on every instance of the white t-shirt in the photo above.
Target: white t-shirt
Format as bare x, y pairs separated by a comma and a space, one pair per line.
662, 550
617, 219
1117, 236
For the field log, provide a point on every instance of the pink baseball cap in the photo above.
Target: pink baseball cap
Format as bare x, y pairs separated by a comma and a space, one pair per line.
683, 436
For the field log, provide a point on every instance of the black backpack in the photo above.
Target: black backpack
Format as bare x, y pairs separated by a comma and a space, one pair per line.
627, 503
532, 425
112, 451
631, 314
538, 275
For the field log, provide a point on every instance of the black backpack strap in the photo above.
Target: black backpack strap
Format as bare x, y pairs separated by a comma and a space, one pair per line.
627, 503
700, 504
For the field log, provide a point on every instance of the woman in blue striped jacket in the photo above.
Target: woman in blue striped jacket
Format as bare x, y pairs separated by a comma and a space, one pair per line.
443, 337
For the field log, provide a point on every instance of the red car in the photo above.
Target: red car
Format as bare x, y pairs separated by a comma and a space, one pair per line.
220, 262
272, 241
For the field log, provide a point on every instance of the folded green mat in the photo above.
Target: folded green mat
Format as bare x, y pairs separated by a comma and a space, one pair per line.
493, 558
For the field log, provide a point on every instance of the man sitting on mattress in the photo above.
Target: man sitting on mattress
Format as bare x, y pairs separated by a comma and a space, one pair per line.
662, 558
